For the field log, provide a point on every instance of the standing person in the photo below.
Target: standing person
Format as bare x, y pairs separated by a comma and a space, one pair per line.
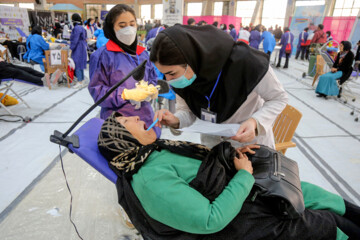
255, 37
269, 42
278, 33
57, 30
191, 22
357, 59
286, 47
154, 32
301, 47
112, 62
97, 23
224, 28
341, 70
89, 27
244, 35
220, 81
319, 35
101, 40
78, 47
36, 46
233, 33
328, 36
66, 31
148, 27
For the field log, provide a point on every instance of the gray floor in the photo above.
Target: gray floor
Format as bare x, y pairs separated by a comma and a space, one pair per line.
34, 201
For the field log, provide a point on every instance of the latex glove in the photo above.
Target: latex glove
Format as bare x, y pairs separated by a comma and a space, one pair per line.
142, 92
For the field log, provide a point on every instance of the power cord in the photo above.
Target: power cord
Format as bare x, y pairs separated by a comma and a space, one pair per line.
20, 118
71, 197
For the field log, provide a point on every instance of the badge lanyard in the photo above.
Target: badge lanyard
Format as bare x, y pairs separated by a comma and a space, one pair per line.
208, 98
138, 60
206, 114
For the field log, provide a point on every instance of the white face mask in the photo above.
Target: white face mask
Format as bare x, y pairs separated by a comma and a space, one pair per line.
126, 35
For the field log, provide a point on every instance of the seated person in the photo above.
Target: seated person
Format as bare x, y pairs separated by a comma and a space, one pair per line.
36, 45
155, 188
341, 70
27, 74
357, 58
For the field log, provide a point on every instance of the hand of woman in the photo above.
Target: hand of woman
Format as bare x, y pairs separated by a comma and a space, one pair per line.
333, 70
243, 163
246, 132
166, 118
247, 148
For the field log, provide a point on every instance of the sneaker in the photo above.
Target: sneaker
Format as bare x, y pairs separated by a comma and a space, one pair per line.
79, 85
46, 80
55, 76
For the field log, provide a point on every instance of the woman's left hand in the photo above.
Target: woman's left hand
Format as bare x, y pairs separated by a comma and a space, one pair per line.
246, 132
333, 70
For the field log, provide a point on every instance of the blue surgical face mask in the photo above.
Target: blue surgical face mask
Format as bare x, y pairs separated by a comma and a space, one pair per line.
182, 82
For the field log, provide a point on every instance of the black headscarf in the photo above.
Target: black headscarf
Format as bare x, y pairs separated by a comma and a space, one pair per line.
110, 33
347, 45
76, 19
36, 30
208, 51
126, 155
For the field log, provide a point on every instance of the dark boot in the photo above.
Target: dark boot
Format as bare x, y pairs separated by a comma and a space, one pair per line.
279, 62
340, 90
286, 63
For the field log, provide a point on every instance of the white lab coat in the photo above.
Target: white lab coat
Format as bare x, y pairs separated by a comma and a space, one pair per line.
264, 104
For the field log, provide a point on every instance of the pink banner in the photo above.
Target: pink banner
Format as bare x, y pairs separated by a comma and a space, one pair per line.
220, 19
340, 27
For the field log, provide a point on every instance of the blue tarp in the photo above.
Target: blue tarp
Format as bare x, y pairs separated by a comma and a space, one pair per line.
65, 7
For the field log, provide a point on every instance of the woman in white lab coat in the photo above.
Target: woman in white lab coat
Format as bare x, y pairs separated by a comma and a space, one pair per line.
220, 81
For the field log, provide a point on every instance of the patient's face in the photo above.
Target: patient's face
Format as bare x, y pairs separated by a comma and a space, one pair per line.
138, 129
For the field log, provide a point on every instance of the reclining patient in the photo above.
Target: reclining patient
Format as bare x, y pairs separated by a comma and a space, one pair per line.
157, 187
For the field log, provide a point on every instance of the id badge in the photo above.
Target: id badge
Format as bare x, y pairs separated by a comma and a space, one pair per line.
208, 116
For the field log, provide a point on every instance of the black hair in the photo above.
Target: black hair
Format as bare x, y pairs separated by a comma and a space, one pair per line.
328, 32
88, 21
215, 24
258, 27
190, 21
306, 29
347, 45
76, 18
36, 30
321, 26
286, 29
166, 52
118, 10
231, 26
224, 26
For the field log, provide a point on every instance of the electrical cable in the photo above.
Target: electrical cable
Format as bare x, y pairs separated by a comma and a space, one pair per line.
71, 197
21, 119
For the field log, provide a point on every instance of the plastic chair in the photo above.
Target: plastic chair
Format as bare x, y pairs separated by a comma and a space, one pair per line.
284, 128
21, 49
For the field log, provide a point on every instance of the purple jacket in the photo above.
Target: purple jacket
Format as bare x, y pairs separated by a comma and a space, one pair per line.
233, 34
284, 41
153, 33
304, 38
78, 47
108, 65
255, 39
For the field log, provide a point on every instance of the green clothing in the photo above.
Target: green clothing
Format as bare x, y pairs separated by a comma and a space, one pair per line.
162, 186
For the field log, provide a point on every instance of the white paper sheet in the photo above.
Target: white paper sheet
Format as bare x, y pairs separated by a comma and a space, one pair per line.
224, 130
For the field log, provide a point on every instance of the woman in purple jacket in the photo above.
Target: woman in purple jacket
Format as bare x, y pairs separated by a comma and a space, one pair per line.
112, 62
78, 47
255, 37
